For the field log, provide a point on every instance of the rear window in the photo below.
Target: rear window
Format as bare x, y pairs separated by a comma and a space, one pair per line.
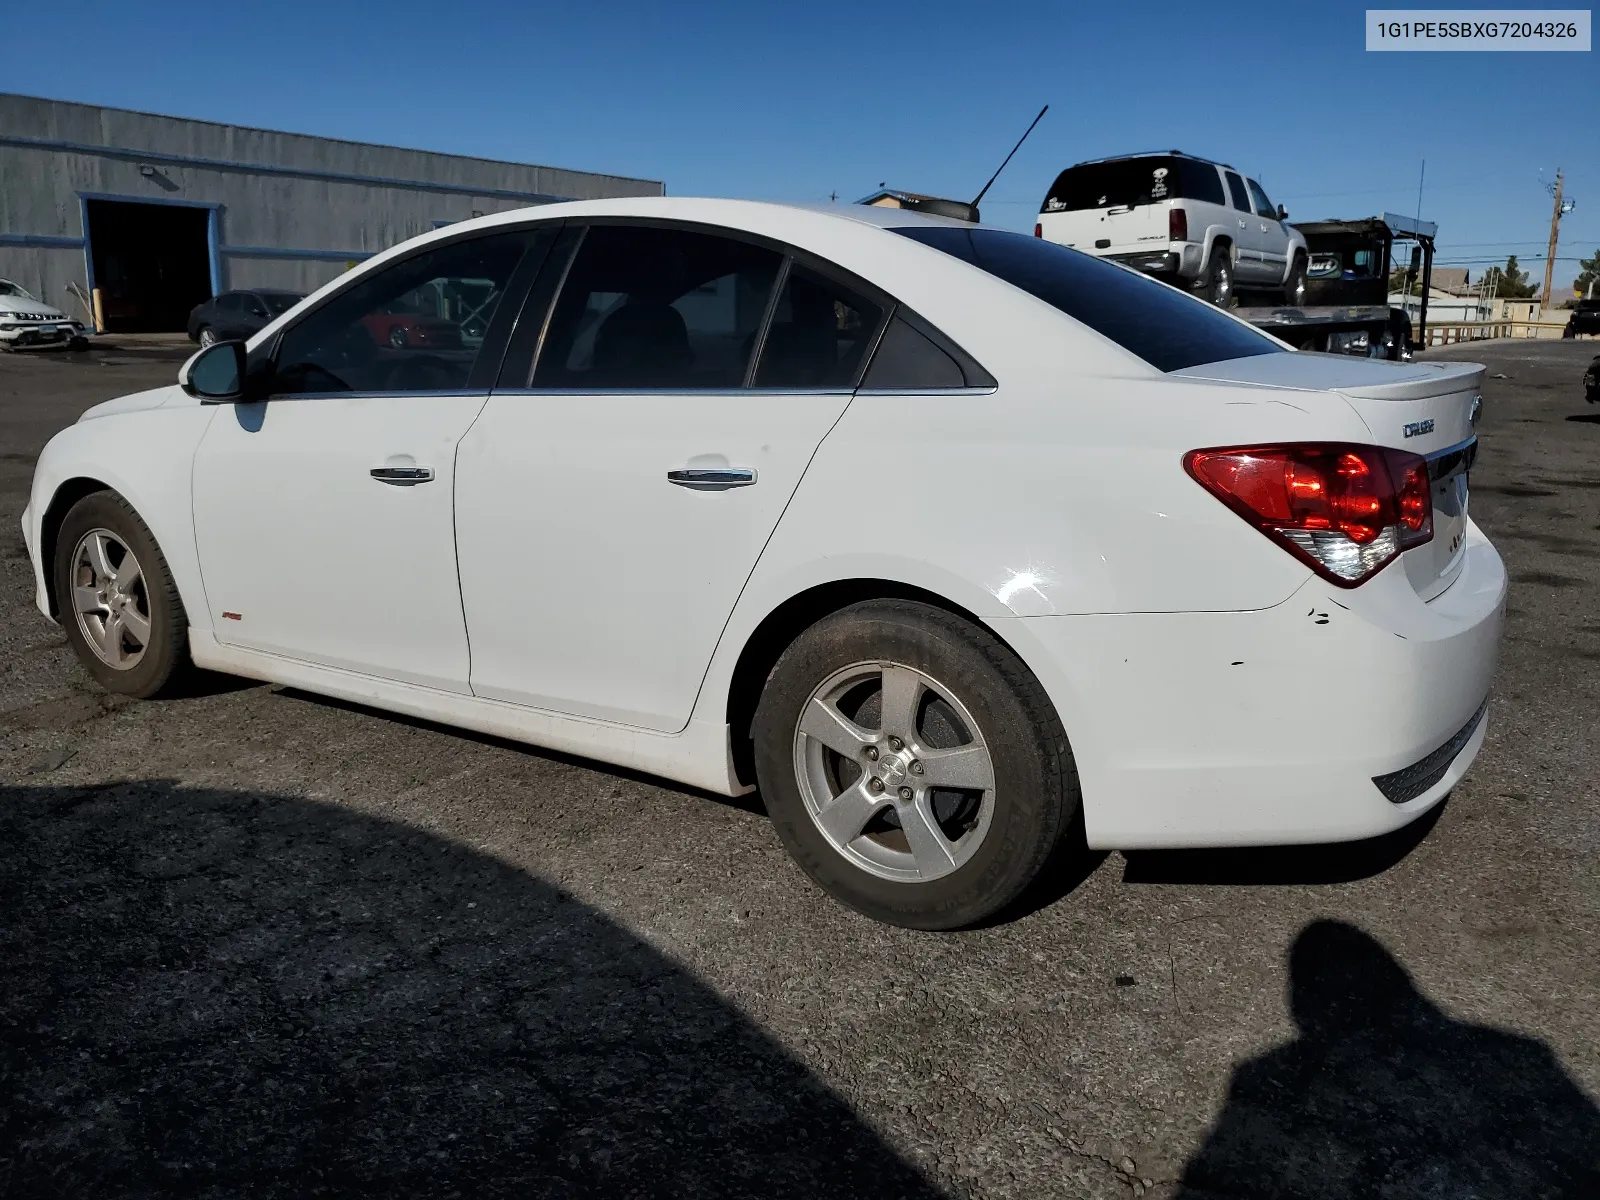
1167, 329
1131, 182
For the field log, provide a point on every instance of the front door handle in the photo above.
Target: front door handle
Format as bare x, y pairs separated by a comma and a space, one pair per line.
403, 476
717, 479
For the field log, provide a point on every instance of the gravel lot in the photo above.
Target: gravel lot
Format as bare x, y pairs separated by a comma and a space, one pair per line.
257, 942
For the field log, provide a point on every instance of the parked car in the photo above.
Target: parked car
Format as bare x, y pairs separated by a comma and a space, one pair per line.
935, 533
1585, 318
27, 321
238, 314
1183, 219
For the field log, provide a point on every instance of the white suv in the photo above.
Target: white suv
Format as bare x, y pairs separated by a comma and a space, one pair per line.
1179, 218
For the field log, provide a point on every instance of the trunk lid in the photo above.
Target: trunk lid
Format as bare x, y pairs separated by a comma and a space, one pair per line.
1426, 408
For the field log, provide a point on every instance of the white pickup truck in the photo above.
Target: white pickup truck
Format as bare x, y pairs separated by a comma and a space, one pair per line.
1189, 221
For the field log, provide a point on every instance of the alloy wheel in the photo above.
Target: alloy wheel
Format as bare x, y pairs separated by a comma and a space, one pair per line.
208, 337
894, 771
110, 599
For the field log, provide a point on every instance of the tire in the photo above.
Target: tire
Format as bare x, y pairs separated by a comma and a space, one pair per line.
1216, 285
142, 618
1294, 288
984, 839
206, 336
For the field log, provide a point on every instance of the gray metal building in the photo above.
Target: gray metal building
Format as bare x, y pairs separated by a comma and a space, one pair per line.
158, 213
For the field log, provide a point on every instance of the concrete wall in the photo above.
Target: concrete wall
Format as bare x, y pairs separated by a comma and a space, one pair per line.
291, 211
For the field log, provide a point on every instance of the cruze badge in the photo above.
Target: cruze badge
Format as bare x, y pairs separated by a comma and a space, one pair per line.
1418, 428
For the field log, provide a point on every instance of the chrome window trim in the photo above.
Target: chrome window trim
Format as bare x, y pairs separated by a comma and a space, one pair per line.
916, 391
437, 393
732, 391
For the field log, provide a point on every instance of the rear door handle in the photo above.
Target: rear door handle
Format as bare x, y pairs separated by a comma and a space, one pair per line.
403, 476
719, 479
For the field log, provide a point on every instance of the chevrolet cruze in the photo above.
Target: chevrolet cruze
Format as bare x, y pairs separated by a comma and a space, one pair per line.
935, 534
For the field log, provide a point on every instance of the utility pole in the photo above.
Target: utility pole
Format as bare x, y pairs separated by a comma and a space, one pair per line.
1560, 210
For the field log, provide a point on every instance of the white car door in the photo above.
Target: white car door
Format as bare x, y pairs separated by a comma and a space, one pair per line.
1274, 238
609, 515
323, 514
1247, 234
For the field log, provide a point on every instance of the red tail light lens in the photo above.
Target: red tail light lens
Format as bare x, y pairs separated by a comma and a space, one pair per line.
1346, 511
1177, 225
1038, 230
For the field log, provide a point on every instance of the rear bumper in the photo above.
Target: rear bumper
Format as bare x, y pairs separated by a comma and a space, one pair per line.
1274, 727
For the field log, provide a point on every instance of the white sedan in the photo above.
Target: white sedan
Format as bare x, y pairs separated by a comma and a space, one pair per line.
934, 533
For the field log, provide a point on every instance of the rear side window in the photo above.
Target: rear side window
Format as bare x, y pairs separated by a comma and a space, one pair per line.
653, 308
1129, 182
820, 332
1160, 324
1241, 201
908, 359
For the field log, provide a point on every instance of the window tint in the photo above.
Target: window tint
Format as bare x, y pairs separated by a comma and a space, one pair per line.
1236, 190
415, 326
906, 358
1133, 181
819, 335
646, 307
1166, 328
1264, 207
281, 302
230, 302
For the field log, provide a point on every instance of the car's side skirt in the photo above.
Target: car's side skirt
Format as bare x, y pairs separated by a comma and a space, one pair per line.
699, 756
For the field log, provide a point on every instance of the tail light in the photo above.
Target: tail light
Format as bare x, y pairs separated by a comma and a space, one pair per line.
1345, 511
1177, 225
1038, 230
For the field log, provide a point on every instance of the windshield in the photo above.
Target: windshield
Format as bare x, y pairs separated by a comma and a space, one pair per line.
1129, 182
1160, 324
280, 302
7, 288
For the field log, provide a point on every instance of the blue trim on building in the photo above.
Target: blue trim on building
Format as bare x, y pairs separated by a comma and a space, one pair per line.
290, 252
220, 164
45, 240
214, 248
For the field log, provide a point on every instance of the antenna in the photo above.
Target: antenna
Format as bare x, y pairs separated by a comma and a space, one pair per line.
1009, 157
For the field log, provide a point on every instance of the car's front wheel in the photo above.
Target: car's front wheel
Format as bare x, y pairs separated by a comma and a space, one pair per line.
912, 765
118, 603
1294, 289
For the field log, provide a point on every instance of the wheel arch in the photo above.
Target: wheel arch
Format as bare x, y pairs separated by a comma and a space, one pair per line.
68, 492
775, 632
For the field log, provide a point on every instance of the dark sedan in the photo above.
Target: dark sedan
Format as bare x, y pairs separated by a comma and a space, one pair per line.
238, 314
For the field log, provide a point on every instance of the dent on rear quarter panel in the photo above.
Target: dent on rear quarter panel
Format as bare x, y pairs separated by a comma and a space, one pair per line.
145, 456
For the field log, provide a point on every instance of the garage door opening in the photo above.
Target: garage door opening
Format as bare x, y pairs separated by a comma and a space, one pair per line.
152, 263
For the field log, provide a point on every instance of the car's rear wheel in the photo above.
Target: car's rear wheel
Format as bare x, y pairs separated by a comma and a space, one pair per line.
118, 603
912, 765
1216, 285
206, 336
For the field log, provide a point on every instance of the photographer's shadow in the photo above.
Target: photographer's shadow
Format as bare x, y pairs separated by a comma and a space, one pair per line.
1382, 1094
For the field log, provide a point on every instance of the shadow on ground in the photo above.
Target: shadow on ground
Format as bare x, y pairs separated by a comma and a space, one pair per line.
1382, 1094
219, 992
1342, 862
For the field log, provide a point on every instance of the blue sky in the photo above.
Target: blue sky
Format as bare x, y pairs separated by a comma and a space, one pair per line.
795, 102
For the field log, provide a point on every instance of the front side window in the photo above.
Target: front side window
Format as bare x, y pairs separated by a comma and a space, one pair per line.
1264, 206
819, 335
650, 308
414, 326
1160, 324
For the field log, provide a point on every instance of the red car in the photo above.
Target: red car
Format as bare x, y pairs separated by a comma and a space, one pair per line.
408, 330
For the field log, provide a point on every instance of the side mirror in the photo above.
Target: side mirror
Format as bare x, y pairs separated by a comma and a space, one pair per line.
1283, 213
215, 374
